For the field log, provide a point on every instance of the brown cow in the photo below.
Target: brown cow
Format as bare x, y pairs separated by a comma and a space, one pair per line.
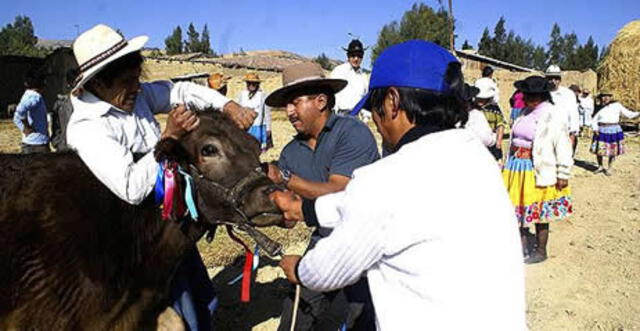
73, 256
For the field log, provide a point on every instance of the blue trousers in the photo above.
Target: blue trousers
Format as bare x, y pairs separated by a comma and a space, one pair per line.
192, 294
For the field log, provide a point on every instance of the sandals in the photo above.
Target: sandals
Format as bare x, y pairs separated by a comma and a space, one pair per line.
535, 258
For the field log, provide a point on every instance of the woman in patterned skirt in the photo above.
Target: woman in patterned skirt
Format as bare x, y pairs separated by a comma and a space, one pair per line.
607, 134
537, 170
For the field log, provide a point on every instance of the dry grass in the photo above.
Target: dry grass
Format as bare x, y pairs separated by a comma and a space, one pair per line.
620, 70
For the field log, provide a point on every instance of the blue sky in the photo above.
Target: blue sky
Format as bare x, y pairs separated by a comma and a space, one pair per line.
312, 27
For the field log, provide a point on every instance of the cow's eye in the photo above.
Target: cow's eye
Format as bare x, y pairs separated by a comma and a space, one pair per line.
209, 150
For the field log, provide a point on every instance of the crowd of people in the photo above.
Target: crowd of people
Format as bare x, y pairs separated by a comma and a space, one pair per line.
408, 227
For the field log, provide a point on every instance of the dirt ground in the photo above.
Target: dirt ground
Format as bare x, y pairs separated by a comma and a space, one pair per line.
590, 282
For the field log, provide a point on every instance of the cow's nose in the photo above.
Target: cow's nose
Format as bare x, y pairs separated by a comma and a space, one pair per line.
271, 188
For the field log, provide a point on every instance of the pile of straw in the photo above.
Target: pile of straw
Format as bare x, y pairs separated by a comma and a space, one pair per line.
620, 69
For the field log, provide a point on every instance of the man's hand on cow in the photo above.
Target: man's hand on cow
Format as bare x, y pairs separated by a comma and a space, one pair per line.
288, 265
179, 122
290, 204
243, 117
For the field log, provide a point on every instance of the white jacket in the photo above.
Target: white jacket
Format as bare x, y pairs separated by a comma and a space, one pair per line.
567, 102
610, 114
418, 230
552, 152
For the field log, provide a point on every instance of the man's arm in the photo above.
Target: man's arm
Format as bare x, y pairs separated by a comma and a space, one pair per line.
20, 118
165, 95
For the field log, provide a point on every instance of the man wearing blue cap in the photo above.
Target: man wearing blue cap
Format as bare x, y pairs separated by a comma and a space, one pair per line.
434, 235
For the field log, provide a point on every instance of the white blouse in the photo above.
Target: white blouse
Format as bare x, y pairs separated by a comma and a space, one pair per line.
610, 114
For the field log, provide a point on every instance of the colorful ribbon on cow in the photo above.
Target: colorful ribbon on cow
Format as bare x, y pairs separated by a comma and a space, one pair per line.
159, 187
169, 190
188, 194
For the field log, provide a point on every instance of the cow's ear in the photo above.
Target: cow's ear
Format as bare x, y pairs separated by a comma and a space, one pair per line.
171, 150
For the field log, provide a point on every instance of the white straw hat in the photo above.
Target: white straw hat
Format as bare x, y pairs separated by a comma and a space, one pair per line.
487, 88
97, 47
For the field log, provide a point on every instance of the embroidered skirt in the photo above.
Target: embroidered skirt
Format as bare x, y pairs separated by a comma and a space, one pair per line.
608, 141
533, 204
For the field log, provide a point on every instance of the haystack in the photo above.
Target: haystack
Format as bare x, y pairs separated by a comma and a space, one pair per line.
620, 70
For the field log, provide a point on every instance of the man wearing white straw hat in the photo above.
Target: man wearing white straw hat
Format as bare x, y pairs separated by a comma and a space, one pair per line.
113, 118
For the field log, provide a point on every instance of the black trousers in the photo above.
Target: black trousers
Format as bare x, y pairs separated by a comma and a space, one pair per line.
329, 311
28, 149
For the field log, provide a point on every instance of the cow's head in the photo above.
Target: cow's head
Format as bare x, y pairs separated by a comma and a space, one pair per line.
224, 162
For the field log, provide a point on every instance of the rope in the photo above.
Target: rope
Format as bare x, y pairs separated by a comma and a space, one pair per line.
296, 302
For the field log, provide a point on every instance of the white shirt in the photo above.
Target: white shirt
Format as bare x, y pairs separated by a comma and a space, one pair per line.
257, 104
438, 241
565, 100
357, 86
586, 107
610, 114
106, 137
477, 123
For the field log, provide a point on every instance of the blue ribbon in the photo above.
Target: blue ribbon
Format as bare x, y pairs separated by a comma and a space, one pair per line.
159, 187
188, 195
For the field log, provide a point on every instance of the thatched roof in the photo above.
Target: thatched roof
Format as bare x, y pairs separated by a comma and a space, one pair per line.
620, 69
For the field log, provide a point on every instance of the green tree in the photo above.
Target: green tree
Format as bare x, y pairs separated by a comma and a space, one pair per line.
466, 45
173, 43
19, 39
500, 39
420, 22
555, 46
539, 58
485, 46
192, 44
324, 61
568, 54
205, 43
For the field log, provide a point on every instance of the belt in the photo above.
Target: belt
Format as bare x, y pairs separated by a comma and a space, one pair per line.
521, 152
607, 124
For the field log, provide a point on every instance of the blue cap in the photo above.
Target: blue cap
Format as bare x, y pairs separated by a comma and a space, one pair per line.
414, 63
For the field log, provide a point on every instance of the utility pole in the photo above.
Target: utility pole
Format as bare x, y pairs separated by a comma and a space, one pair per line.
451, 27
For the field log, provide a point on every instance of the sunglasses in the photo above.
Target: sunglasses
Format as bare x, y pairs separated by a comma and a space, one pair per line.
360, 55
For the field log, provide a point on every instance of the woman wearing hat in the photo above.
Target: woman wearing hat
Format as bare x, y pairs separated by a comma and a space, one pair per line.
537, 170
113, 118
253, 98
607, 134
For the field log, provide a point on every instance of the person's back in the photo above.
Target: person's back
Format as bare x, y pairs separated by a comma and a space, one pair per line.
460, 257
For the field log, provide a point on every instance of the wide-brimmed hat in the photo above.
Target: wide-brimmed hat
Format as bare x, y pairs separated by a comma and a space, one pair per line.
252, 78
414, 63
533, 85
95, 48
217, 81
304, 75
355, 46
487, 88
604, 92
553, 71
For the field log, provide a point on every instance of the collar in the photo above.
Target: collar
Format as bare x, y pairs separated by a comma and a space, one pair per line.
414, 134
87, 105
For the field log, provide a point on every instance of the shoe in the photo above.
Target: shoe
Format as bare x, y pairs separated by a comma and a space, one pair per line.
535, 258
599, 170
608, 172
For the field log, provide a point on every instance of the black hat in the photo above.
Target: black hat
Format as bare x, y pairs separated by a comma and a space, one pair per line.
533, 84
469, 92
355, 46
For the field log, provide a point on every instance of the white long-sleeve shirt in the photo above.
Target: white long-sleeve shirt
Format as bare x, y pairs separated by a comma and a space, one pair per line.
357, 86
438, 241
257, 104
478, 124
610, 114
106, 137
565, 100
586, 107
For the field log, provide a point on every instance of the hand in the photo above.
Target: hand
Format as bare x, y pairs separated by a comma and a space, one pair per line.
28, 130
179, 122
243, 117
273, 172
561, 183
289, 203
288, 265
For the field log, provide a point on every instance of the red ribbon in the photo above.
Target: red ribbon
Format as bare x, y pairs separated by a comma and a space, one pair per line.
169, 189
245, 292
